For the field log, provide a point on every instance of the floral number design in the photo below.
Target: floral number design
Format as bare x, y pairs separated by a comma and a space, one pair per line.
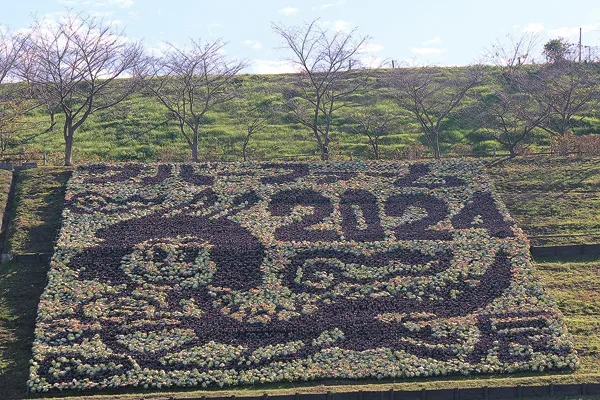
225, 274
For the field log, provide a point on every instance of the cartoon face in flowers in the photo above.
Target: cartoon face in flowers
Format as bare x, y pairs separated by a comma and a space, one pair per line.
215, 268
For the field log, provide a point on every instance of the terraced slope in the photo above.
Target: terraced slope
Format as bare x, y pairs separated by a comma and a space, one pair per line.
556, 200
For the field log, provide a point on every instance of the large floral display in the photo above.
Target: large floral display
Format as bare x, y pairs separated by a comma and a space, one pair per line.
229, 274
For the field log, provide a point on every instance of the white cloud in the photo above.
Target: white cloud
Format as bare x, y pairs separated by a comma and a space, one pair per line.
259, 66
121, 3
253, 44
287, 11
101, 14
324, 6
341, 26
427, 50
572, 32
159, 49
370, 48
101, 3
372, 62
564, 32
435, 40
533, 27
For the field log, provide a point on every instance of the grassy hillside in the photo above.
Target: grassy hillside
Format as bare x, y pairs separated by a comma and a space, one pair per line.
5, 181
556, 200
36, 210
139, 129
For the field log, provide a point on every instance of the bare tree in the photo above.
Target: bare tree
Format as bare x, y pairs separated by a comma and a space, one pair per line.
252, 112
325, 80
431, 94
511, 53
508, 111
375, 124
75, 63
190, 82
13, 99
52, 109
511, 117
10, 46
571, 92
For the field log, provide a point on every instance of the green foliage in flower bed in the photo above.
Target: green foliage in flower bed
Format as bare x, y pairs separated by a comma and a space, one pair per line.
228, 274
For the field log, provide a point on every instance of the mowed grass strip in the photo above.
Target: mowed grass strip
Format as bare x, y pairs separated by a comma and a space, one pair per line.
20, 288
36, 210
575, 285
556, 200
5, 180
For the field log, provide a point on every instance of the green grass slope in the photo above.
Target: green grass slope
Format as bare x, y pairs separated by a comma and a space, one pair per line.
5, 181
36, 211
139, 129
556, 200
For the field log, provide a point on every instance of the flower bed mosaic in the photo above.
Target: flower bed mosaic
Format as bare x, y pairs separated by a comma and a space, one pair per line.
229, 274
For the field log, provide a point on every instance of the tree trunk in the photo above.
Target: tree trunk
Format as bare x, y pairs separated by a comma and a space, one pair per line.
69, 147
511, 151
195, 147
436, 146
51, 122
325, 149
244, 147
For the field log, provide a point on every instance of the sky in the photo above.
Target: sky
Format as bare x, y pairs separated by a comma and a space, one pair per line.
451, 32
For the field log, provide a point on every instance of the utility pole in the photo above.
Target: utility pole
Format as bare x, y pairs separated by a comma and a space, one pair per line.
579, 44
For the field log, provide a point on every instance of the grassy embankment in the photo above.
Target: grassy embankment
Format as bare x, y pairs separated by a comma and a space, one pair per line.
36, 212
575, 284
138, 129
34, 219
556, 200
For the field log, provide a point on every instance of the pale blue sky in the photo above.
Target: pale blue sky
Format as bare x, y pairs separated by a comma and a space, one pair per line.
435, 31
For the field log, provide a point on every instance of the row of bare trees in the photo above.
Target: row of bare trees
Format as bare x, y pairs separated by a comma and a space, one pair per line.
78, 65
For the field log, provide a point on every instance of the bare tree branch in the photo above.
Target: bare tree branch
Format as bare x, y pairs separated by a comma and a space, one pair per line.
13, 96
571, 92
252, 113
325, 79
431, 94
190, 82
75, 64
373, 123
